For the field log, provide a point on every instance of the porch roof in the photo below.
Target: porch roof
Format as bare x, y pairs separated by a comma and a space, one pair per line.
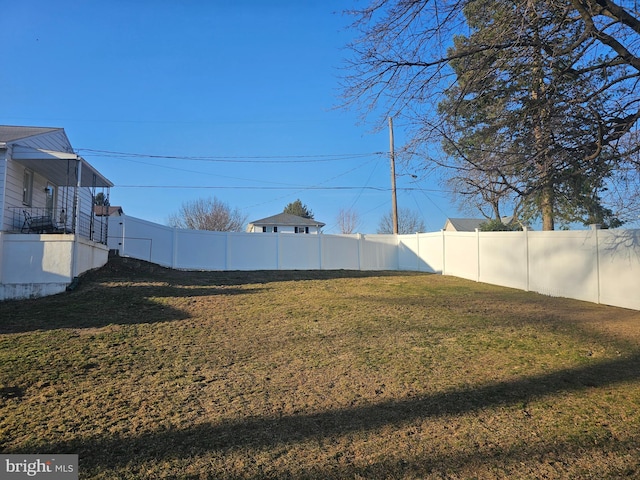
59, 167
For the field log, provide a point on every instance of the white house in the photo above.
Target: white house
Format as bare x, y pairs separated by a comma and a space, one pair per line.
49, 233
285, 223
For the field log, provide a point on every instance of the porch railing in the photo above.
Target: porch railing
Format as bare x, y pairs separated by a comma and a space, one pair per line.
47, 220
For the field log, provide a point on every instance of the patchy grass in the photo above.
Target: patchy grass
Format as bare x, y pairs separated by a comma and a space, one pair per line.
151, 373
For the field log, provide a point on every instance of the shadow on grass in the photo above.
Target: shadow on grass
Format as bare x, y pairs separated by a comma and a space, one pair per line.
264, 432
97, 306
121, 292
131, 269
512, 459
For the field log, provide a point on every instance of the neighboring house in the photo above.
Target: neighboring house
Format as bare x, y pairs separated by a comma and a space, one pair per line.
49, 232
285, 223
463, 224
104, 211
468, 224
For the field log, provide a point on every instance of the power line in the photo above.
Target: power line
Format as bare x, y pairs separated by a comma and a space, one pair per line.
312, 187
381, 189
232, 158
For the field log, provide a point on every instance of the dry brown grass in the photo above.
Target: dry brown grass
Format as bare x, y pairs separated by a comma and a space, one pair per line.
151, 373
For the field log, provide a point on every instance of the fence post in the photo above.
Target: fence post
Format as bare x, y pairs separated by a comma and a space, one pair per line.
174, 254
595, 228
226, 251
359, 240
444, 242
418, 252
122, 240
526, 248
478, 254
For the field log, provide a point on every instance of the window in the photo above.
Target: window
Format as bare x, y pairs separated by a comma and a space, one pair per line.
275, 229
264, 229
50, 199
302, 229
27, 187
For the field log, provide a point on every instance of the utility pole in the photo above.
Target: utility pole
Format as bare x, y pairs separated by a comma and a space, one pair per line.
394, 200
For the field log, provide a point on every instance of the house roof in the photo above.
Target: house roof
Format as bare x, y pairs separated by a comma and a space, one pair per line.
288, 220
47, 159
102, 211
470, 224
465, 224
11, 133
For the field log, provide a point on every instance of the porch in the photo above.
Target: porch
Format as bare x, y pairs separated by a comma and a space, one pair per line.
39, 220
58, 195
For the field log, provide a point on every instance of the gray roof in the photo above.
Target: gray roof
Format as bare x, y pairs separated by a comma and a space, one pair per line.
470, 224
51, 163
465, 224
286, 219
10, 133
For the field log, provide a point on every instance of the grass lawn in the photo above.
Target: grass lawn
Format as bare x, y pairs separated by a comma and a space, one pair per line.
150, 373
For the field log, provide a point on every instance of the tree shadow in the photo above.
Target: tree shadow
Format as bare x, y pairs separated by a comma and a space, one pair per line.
7, 393
445, 464
265, 432
96, 306
132, 269
121, 291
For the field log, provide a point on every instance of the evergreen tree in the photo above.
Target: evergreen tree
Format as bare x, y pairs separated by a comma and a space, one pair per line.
518, 122
297, 208
536, 100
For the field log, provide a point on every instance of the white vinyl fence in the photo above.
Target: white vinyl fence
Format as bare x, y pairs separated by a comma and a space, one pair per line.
601, 266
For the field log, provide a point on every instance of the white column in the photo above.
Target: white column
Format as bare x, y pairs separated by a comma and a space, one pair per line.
74, 255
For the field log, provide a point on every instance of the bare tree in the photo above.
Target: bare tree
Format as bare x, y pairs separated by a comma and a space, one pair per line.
348, 221
408, 222
208, 214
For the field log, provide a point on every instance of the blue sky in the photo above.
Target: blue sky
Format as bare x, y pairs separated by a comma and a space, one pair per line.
232, 99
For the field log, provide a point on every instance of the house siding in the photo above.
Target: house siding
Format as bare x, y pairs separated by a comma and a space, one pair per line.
56, 140
282, 229
11, 192
12, 174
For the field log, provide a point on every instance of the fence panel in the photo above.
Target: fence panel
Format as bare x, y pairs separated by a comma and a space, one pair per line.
298, 251
421, 252
379, 252
461, 255
200, 250
252, 251
592, 265
141, 239
563, 264
503, 259
619, 267
340, 252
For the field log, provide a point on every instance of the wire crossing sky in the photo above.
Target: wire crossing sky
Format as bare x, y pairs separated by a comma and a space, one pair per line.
174, 101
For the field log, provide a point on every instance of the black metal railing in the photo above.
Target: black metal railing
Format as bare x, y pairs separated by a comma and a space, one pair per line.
48, 220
